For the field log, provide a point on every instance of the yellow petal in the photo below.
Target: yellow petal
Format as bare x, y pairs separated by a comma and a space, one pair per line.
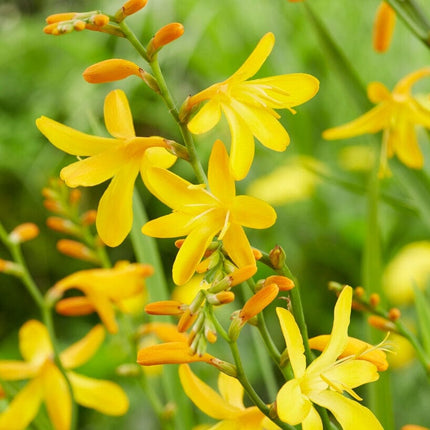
13, 370
23, 407
231, 390
377, 92
252, 212
221, 182
93, 170
103, 396
292, 406
173, 225
118, 119
293, 341
34, 342
105, 310
254, 62
237, 246
404, 86
339, 333
371, 122
242, 143
72, 141
80, 352
206, 118
312, 421
57, 397
204, 397
115, 207
406, 146
349, 413
353, 373
158, 157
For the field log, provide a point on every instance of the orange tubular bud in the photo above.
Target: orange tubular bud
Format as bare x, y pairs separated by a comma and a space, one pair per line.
258, 302
394, 314
374, 300
242, 274
222, 298
381, 323
74, 249
79, 25
257, 254
284, 283
359, 292
99, 20
414, 427
58, 17
110, 70
73, 306
186, 321
167, 34
89, 217
133, 6
61, 225
24, 232
383, 27
165, 307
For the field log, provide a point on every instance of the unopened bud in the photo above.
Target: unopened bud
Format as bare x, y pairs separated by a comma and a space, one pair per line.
179, 151
71, 306
257, 253
89, 217
99, 20
374, 300
225, 367
394, 314
149, 80
75, 249
24, 232
383, 27
110, 70
165, 307
186, 321
58, 17
258, 302
164, 36
129, 8
381, 323
220, 298
277, 257
79, 25
75, 196
62, 225
10, 268
359, 292
54, 206
284, 283
179, 243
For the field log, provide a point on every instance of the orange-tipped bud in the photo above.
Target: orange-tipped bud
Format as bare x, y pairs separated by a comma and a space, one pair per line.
414, 427
74, 306
54, 206
74, 249
277, 257
383, 27
242, 274
394, 314
284, 283
58, 17
381, 323
99, 20
164, 36
258, 302
374, 300
179, 243
79, 25
89, 217
210, 336
61, 225
165, 307
257, 254
10, 267
75, 196
186, 321
359, 292
129, 8
111, 70
24, 232
221, 298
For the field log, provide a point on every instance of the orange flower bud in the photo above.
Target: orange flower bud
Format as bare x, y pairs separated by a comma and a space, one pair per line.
258, 302
111, 70
186, 321
74, 306
221, 298
165, 307
210, 336
24, 232
133, 6
167, 34
242, 274
383, 27
374, 300
89, 217
58, 17
257, 254
284, 283
381, 323
99, 20
54, 206
179, 243
414, 427
74, 249
394, 314
61, 225
359, 292
10, 267
79, 25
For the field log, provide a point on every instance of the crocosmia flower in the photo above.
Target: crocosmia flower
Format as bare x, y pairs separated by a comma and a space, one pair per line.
200, 214
227, 407
396, 114
120, 158
48, 384
325, 380
249, 106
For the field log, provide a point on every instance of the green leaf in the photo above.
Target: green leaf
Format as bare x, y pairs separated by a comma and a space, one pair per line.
422, 305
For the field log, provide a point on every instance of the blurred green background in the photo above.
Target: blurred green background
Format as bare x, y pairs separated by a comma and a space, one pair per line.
322, 229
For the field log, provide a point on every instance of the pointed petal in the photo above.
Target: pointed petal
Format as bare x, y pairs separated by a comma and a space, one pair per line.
418, 113
371, 122
350, 414
339, 333
406, 146
312, 421
118, 119
220, 178
254, 62
263, 125
377, 92
404, 86
93, 170
80, 352
173, 225
193, 249
105, 310
57, 397
204, 397
242, 143
14, 370
103, 396
206, 118
293, 341
115, 211
252, 212
34, 342
292, 406
287, 91
23, 408
72, 141
231, 390
237, 246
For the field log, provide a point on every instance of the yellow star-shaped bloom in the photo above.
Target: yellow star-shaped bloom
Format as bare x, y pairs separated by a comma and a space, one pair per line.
48, 383
200, 214
249, 106
326, 378
396, 114
120, 158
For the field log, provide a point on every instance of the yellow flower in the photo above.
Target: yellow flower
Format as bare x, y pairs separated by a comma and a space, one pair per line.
200, 215
326, 378
249, 106
120, 158
103, 288
396, 114
48, 383
227, 407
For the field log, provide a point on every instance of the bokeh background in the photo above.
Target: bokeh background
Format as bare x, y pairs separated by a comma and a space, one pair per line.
321, 218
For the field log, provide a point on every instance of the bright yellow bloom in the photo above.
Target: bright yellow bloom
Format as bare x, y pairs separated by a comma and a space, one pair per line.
120, 158
103, 289
227, 407
200, 215
48, 383
396, 114
249, 106
326, 378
